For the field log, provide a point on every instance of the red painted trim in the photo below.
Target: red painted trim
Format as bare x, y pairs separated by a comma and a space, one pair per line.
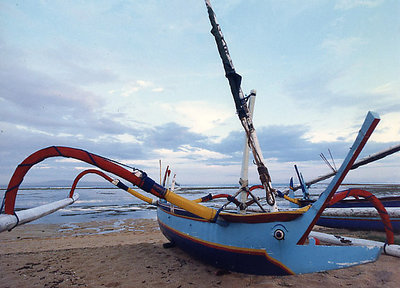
80, 175
375, 202
256, 187
232, 249
251, 218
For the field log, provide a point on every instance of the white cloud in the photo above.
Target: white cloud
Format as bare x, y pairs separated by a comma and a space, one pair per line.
159, 89
136, 86
389, 88
33, 130
67, 160
126, 138
342, 47
388, 129
43, 166
187, 152
144, 84
199, 116
329, 135
350, 4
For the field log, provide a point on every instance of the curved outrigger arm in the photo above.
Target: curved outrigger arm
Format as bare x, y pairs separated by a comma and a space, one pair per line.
115, 182
136, 177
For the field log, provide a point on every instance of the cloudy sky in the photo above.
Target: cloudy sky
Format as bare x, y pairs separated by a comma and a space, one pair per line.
139, 81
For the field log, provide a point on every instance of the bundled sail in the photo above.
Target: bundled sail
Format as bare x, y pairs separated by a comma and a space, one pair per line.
242, 109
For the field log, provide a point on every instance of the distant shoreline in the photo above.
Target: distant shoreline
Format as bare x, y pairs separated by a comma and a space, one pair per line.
189, 187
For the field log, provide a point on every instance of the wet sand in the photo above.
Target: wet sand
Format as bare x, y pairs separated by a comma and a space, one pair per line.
130, 254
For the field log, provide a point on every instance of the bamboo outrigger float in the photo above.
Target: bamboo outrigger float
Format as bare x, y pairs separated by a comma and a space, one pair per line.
10, 221
267, 243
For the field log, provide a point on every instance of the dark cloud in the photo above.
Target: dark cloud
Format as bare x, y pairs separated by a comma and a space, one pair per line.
289, 144
284, 143
39, 102
233, 143
16, 145
33, 90
171, 136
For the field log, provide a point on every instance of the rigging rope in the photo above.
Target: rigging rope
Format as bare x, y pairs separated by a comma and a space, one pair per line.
242, 109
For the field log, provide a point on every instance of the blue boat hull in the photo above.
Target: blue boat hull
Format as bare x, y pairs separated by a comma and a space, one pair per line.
239, 260
251, 247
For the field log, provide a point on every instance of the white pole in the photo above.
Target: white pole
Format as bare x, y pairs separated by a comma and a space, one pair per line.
173, 183
8, 221
393, 250
159, 161
244, 173
360, 212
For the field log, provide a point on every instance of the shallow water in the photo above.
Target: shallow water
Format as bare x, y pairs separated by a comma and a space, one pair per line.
99, 204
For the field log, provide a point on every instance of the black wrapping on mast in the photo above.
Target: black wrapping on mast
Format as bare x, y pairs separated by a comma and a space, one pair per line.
234, 79
242, 110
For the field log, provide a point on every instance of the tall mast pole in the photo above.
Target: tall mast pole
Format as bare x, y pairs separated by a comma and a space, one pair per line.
242, 110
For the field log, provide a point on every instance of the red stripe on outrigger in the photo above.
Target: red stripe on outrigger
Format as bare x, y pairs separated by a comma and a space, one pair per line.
377, 204
144, 182
80, 175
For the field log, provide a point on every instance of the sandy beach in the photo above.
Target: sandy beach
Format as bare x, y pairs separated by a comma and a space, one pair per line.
129, 253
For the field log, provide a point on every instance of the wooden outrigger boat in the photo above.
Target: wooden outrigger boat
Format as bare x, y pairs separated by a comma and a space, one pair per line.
268, 243
354, 208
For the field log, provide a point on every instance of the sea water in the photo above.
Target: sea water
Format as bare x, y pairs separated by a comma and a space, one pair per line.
108, 203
